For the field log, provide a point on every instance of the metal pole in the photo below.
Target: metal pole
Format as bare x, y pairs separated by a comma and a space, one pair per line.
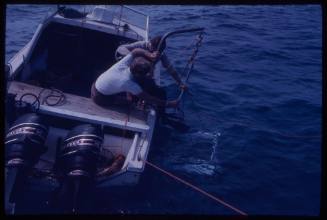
182, 92
173, 33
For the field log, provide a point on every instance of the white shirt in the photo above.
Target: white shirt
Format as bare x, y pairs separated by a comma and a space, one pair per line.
124, 49
118, 78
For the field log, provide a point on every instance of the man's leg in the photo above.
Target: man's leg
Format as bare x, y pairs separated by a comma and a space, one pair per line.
109, 100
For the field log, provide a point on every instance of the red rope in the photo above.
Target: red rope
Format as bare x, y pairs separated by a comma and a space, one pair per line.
197, 189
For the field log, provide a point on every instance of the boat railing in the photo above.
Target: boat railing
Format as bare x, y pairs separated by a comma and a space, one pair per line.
120, 15
117, 15
113, 14
133, 17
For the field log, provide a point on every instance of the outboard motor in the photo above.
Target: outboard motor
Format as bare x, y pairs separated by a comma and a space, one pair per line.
77, 162
10, 109
24, 146
7, 76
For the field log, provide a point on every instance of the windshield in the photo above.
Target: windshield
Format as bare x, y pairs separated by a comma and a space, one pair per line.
113, 14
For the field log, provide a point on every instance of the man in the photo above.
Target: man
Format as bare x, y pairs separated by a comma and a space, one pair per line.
127, 76
151, 46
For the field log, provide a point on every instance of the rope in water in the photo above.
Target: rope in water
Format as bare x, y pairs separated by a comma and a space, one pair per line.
197, 189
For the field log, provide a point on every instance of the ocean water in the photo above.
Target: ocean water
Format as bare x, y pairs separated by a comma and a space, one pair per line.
255, 112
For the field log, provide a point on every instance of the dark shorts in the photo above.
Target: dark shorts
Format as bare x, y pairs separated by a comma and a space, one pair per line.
108, 100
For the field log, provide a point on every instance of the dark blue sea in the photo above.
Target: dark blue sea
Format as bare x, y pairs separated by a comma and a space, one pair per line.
255, 113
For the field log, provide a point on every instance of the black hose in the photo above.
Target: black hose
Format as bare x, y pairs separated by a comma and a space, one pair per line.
175, 32
36, 99
61, 96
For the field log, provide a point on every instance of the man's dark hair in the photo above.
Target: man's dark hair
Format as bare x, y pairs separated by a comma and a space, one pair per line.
140, 67
155, 43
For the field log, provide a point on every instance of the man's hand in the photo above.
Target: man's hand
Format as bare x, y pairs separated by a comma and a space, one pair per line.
183, 87
154, 56
129, 97
148, 55
172, 104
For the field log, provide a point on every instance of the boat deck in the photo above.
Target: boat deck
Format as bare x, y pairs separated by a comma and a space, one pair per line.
82, 108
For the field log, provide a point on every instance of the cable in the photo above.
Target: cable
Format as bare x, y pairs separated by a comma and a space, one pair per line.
37, 100
33, 95
61, 96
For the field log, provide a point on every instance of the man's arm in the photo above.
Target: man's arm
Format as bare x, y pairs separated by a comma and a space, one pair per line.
126, 48
141, 52
127, 60
165, 63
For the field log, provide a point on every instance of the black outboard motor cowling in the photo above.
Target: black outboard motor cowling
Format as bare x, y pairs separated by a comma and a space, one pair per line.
24, 144
25, 141
78, 161
80, 151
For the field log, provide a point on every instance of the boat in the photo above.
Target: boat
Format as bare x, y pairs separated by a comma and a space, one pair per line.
51, 120
56, 136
